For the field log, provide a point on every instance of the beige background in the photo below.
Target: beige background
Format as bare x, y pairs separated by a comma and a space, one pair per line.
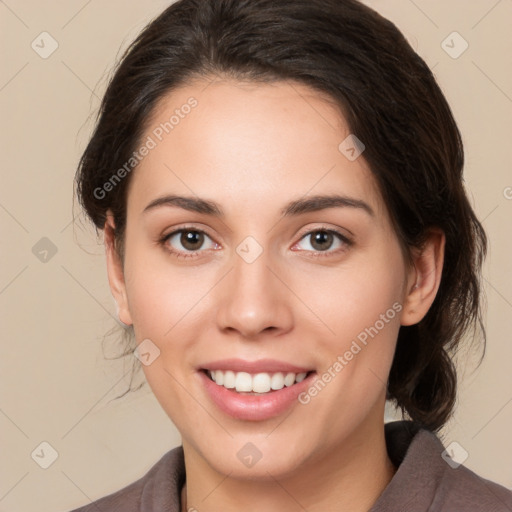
56, 384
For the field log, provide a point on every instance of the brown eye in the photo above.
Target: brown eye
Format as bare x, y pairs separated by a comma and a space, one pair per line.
191, 240
187, 242
321, 240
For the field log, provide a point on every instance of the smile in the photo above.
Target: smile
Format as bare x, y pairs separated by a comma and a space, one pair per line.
259, 383
254, 390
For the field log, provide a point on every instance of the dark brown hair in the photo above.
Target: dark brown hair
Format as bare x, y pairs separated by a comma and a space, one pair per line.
392, 103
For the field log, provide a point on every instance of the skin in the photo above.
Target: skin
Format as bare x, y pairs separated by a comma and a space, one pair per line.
252, 148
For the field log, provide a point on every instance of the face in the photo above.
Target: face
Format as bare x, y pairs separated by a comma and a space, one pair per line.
267, 285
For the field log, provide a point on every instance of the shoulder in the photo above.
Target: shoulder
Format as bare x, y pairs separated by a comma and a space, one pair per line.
428, 479
159, 489
462, 488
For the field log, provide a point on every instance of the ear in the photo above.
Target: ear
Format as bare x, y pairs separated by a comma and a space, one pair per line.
424, 278
115, 272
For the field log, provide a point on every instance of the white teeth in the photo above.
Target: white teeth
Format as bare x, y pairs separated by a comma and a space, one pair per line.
277, 381
229, 379
261, 383
243, 381
289, 379
257, 383
219, 378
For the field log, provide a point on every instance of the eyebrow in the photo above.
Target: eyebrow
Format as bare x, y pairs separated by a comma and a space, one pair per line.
297, 207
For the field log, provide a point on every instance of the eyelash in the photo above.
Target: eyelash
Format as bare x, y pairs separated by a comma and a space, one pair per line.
193, 254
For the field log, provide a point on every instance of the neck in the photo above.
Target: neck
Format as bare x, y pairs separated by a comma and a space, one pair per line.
351, 477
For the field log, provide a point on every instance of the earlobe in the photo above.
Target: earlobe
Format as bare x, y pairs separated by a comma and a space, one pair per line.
424, 278
115, 272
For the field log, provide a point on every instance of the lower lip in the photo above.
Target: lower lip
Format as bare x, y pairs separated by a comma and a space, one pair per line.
254, 407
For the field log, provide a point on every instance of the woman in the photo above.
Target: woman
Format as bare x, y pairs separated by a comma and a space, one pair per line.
236, 139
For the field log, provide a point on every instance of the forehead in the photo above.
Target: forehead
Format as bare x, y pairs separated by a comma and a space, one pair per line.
248, 144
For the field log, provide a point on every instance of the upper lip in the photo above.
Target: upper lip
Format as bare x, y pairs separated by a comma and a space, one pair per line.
259, 366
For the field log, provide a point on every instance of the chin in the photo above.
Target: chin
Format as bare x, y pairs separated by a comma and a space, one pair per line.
256, 457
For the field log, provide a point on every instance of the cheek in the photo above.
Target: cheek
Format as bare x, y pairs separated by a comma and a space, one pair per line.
169, 305
350, 298
159, 293
364, 314
361, 304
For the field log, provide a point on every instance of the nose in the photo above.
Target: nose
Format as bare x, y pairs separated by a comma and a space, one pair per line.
254, 299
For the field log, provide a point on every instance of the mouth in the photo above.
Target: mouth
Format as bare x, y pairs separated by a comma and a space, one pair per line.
254, 390
260, 383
